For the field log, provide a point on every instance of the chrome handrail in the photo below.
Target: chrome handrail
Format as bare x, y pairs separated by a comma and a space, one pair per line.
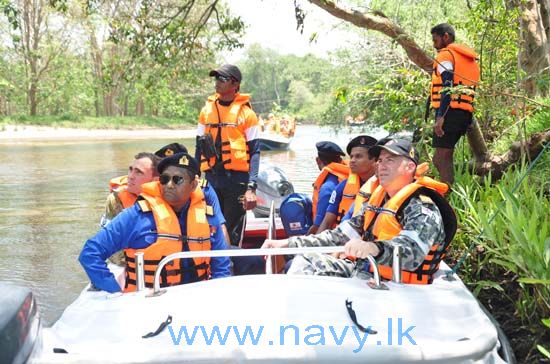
271, 234
140, 271
396, 263
255, 252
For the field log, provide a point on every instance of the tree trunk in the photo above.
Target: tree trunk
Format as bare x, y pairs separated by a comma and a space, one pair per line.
534, 56
32, 99
497, 165
384, 25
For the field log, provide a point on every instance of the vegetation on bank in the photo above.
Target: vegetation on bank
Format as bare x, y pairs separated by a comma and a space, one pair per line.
100, 122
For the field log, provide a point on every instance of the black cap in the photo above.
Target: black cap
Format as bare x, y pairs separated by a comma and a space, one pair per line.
227, 70
181, 160
171, 149
400, 147
364, 141
328, 148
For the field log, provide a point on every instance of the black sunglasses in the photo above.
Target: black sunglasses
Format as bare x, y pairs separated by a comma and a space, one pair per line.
222, 78
177, 180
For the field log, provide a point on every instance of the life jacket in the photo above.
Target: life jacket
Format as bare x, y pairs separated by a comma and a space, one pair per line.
119, 186
170, 240
384, 224
368, 187
234, 149
465, 73
117, 182
364, 194
351, 189
340, 170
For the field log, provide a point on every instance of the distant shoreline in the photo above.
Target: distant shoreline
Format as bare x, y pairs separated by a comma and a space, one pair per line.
13, 133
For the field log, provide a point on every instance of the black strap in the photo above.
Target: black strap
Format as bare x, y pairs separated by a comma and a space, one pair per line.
161, 327
353, 317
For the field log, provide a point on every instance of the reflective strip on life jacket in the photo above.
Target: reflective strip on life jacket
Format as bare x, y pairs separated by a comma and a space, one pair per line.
340, 170
170, 240
234, 148
351, 189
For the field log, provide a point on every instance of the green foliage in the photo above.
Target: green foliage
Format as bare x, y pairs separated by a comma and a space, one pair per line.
507, 224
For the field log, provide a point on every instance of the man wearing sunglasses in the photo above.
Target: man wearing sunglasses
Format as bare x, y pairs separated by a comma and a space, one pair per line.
228, 147
170, 215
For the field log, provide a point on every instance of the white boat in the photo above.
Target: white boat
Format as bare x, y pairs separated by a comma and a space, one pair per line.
274, 141
262, 319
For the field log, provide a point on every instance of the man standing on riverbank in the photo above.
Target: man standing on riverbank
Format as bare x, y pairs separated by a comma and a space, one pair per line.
228, 147
454, 66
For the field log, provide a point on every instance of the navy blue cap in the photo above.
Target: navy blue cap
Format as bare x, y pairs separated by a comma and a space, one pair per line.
227, 70
181, 160
329, 148
171, 149
400, 147
364, 141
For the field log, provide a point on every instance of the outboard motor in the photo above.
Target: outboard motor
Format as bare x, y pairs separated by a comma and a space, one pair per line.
273, 185
19, 323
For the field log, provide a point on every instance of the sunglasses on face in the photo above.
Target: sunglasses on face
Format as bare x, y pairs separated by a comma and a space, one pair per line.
177, 180
222, 78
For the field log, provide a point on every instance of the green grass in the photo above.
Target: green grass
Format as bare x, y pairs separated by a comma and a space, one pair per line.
102, 122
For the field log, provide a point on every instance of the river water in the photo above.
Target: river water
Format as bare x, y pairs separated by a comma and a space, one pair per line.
53, 193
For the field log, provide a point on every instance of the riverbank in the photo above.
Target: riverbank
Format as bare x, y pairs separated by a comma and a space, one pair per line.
14, 133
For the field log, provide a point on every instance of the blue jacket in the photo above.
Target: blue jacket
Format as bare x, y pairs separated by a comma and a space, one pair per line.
134, 229
324, 196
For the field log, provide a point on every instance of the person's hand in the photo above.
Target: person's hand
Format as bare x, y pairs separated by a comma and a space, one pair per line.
438, 126
358, 248
271, 243
249, 201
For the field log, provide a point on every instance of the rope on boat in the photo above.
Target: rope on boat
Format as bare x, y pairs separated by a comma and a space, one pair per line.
478, 236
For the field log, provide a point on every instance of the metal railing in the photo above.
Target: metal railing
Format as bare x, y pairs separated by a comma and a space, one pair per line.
256, 252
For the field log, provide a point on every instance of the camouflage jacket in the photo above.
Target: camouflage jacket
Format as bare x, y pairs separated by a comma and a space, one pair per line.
422, 227
113, 207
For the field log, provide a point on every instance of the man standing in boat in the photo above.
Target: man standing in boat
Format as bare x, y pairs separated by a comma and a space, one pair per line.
228, 147
169, 216
403, 210
333, 171
362, 167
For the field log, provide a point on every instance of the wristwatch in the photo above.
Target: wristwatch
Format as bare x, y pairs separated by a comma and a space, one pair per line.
252, 186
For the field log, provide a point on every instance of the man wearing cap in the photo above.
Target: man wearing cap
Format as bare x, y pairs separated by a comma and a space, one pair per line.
333, 171
362, 168
228, 147
169, 216
403, 210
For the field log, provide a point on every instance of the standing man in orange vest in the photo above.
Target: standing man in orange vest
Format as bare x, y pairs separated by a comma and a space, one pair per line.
170, 216
454, 66
403, 209
228, 147
333, 171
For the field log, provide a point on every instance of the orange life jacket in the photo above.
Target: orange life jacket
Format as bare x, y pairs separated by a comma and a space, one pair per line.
340, 170
351, 189
234, 149
385, 225
117, 182
364, 194
465, 73
119, 185
170, 240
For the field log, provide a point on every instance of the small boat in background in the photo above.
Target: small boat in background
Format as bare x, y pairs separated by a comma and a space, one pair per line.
271, 141
277, 132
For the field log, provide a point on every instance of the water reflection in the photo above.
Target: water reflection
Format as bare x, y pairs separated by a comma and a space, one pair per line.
53, 196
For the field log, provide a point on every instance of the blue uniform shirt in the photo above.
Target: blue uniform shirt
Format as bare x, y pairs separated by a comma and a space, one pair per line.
211, 199
137, 230
336, 198
324, 196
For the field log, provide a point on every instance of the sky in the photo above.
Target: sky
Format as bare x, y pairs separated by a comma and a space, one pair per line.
272, 23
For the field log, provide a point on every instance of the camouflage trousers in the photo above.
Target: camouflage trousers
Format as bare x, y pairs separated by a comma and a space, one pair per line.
321, 265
